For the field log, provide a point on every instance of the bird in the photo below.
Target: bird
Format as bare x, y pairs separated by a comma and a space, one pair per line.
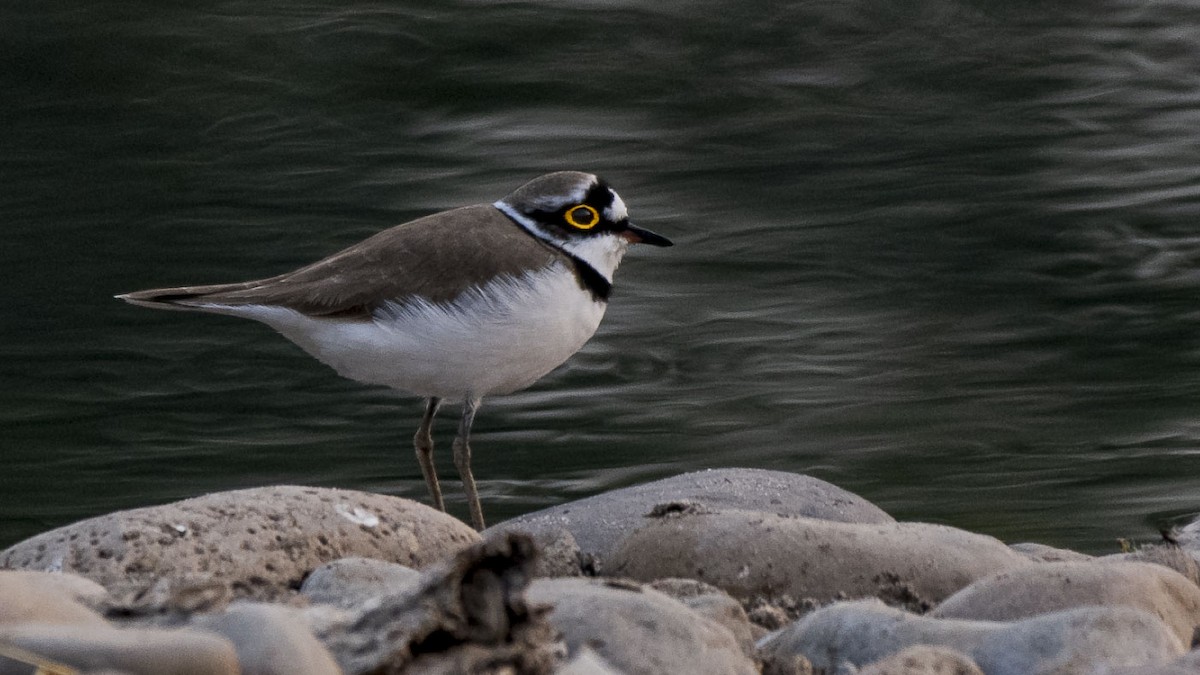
455, 306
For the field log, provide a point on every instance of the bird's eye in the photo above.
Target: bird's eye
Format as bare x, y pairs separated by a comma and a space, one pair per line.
582, 217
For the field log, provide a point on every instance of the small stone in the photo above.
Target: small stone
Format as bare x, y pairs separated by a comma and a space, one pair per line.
1083, 640
1043, 553
639, 631
259, 542
136, 651
751, 554
47, 597
600, 523
1189, 664
924, 660
270, 640
713, 604
349, 582
1170, 556
587, 662
1031, 591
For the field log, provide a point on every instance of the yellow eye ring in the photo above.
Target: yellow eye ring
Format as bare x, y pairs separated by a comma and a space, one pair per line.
582, 217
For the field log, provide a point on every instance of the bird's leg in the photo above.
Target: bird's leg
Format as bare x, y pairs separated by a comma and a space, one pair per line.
423, 442
462, 460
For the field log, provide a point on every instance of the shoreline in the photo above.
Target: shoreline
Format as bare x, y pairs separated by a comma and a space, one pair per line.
721, 571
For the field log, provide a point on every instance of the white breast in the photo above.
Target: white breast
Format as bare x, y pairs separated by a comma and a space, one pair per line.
495, 339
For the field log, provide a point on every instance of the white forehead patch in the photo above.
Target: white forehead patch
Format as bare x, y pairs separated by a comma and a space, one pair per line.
576, 194
617, 212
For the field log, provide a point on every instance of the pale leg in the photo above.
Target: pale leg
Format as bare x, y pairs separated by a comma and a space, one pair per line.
423, 442
462, 460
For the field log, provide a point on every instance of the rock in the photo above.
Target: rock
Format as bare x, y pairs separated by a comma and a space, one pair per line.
348, 582
1170, 556
713, 604
599, 523
924, 660
637, 630
1043, 553
1077, 641
270, 640
751, 554
47, 597
259, 542
586, 662
558, 554
786, 664
1039, 589
1189, 664
467, 614
136, 651
1070, 641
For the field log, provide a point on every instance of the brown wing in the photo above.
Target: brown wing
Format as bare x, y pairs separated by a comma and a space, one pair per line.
436, 257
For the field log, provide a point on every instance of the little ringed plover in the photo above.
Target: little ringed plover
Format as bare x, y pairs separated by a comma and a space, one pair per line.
458, 305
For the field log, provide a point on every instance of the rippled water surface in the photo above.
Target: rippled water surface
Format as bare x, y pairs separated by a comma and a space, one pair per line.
941, 253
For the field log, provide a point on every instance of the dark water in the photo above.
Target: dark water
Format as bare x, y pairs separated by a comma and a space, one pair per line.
942, 253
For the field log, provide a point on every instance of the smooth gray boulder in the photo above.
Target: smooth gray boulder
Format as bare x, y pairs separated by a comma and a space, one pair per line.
637, 630
599, 523
259, 542
750, 554
135, 651
349, 582
1048, 587
270, 640
1076, 641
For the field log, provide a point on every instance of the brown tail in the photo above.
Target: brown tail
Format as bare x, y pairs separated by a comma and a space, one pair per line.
188, 297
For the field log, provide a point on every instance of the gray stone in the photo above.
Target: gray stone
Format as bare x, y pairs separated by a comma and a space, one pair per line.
136, 651
260, 542
638, 630
1189, 664
348, 582
1170, 556
558, 553
587, 662
1043, 553
751, 554
47, 597
1048, 587
924, 660
711, 603
600, 523
270, 640
1074, 641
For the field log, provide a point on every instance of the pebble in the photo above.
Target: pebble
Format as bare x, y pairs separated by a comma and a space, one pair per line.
136, 651
270, 640
924, 660
260, 542
600, 523
755, 554
47, 597
713, 604
692, 569
1071, 641
1049, 587
637, 630
350, 582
